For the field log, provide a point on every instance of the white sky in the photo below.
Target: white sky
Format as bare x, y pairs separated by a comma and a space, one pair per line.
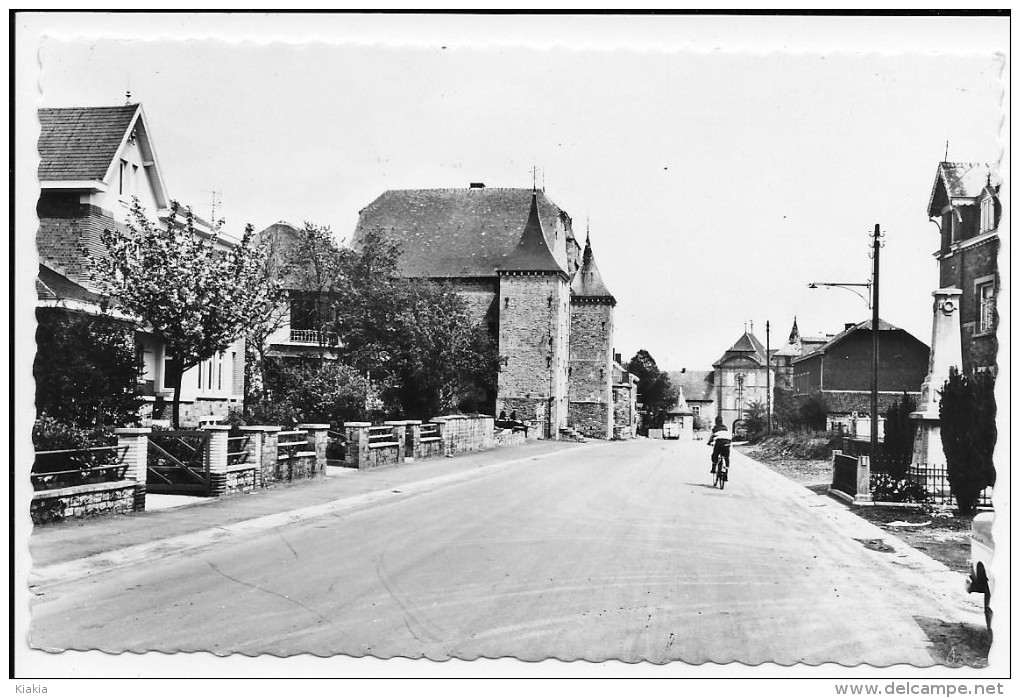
719, 183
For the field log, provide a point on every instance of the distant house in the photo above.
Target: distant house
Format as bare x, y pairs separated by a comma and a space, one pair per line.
698, 391
741, 378
93, 161
796, 346
965, 203
841, 370
299, 325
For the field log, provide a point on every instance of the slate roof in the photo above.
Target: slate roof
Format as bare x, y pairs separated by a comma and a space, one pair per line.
79, 143
456, 232
696, 386
883, 326
587, 282
53, 286
532, 252
747, 346
960, 180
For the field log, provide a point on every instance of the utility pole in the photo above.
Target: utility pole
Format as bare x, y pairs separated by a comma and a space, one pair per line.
768, 381
876, 244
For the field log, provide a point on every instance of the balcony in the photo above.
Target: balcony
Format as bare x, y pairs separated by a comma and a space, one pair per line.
328, 339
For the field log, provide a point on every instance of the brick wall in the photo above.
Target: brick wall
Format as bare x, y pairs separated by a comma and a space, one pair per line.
533, 342
66, 227
903, 362
961, 270
590, 372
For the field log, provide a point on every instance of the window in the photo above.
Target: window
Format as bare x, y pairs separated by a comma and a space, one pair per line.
986, 306
987, 214
123, 175
696, 409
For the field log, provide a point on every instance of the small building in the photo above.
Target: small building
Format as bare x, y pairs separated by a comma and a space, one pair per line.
964, 202
679, 421
698, 391
93, 162
742, 378
625, 408
841, 370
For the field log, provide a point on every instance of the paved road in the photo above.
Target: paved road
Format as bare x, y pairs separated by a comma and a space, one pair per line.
613, 551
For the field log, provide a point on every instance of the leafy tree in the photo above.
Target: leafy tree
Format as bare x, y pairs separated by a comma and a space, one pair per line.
654, 391
755, 419
967, 417
438, 354
312, 390
813, 412
86, 370
898, 445
784, 409
194, 298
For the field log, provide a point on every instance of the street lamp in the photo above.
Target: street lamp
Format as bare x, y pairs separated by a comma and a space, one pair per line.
872, 301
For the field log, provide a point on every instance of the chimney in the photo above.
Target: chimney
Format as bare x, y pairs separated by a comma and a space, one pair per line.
477, 185
618, 358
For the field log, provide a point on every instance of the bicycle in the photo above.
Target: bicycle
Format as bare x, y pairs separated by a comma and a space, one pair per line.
722, 469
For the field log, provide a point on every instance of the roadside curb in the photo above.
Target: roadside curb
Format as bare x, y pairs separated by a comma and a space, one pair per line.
133, 554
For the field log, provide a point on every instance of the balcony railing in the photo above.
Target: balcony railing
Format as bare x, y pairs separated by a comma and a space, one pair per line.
330, 339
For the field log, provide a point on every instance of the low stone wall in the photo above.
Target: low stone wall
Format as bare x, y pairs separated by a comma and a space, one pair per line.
241, 479
379, 455
466, 433
87, 500
429, 447
510, 437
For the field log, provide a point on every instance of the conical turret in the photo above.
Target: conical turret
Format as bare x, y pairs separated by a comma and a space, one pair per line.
587, 282
532, 253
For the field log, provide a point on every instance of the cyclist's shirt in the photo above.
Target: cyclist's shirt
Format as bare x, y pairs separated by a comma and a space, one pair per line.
721, 434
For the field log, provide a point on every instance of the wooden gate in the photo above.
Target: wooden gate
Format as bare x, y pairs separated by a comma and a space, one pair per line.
177, 463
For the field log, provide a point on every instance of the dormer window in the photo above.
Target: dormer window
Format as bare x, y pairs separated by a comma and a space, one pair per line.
987, 214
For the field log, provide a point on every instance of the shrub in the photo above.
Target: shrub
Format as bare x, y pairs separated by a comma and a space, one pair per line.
885, 488
813, 412
967, 418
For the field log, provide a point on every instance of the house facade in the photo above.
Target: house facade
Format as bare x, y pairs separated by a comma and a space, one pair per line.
964, 203
741, 378
93, 162
512, 255
841, 370
698, 392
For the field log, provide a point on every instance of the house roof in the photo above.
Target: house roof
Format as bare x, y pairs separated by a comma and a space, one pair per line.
532, 252
53, 286
587, 282
960, 180
696, 386
79, 143
457, 232
747, 346
883, 326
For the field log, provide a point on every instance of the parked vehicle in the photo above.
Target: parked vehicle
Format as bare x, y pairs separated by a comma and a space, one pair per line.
982, 548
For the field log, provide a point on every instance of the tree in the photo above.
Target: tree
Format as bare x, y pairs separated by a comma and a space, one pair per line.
86, 370
755, 419
784, 408
813, 412
194, 298
312, 390
898, 445
438, 354
655, 393
967, 419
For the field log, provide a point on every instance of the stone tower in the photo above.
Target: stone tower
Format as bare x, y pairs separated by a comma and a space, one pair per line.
534, 312
590, 374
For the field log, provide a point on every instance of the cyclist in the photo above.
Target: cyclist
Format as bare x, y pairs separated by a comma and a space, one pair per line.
721, 437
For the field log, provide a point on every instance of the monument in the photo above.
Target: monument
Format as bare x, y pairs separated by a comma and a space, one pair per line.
946, 351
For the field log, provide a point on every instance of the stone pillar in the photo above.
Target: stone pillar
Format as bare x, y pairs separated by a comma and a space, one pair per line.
357, 443
135, 459
256, 436
946, 352
318, 435
863, 479
216, 457
408, 433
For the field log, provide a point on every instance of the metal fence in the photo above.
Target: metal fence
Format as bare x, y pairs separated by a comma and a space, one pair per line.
78, 466
936, 483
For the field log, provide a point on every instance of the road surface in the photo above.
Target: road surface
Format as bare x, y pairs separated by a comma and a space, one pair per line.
608, 551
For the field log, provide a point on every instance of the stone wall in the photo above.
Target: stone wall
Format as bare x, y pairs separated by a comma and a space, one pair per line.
85, 500
624, 410
465, 433
240, 479
533, 343
509, 437
480, 295
590, 373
